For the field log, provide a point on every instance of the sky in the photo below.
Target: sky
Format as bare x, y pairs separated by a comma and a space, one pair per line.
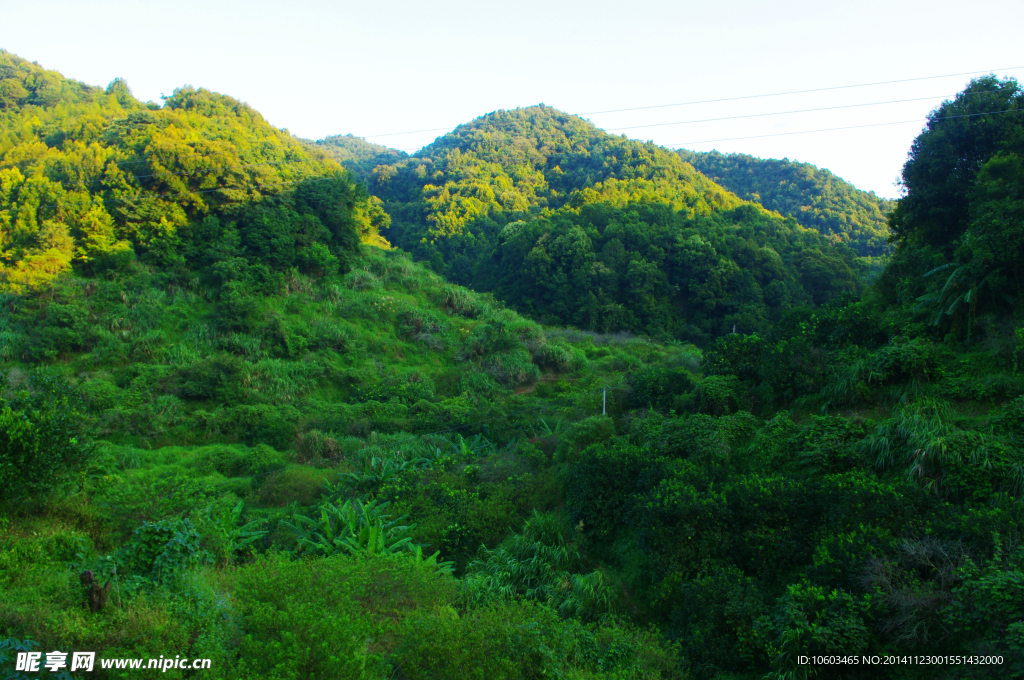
377, 68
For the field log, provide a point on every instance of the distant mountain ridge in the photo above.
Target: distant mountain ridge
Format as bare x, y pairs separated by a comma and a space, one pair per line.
356, 154
577, 226
815, 197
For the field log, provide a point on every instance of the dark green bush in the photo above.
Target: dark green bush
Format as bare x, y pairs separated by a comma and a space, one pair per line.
44, 439
718, 395
580, 435
655, 387
162, 550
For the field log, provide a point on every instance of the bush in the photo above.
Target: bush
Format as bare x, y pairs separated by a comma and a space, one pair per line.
540, 564
328, 618
601, 487
655, 387
582, 434
512, 368
526, 640
722, 620
560, 357
162, 551
717, 395
43, 438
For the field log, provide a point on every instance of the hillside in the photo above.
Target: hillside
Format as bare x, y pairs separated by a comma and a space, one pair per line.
813, 196
575, 226
357, 155
235, 425
205, 346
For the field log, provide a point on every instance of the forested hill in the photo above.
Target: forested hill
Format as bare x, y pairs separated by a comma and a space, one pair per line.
357, 155
575, 226
814, 196
300, 456
93, 178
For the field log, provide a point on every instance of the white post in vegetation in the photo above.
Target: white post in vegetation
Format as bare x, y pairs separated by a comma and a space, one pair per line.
604, 401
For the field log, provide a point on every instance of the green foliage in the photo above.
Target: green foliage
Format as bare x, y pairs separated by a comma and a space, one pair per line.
231, 535
812, 196
523, 640
722, 621
658, 387
924, 440
717, 395
270, 396
325, 618
540, 564
815, 621
580, 435
357, 528
987, 603
44, 442
574, 226
600, 486
160, 551
958, 229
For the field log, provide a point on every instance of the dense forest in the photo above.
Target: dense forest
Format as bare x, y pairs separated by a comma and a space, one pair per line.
357, 155
815, 197
249, 414
577, 227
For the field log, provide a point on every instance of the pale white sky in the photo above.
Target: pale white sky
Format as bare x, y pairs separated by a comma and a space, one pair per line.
370, 68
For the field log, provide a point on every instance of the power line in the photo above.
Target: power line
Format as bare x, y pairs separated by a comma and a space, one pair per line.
817, 89
849, 127
729, 99
783, 113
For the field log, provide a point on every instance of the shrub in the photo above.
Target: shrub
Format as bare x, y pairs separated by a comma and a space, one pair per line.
512, 368
527, 640
582, 434
315, 446
302, 485
458, 300
328, 618
162, 550
601, 486
655, 387
540, 564
812, 620
478, 383
361, 279
717, 395
560, 357
44, 442
722, 620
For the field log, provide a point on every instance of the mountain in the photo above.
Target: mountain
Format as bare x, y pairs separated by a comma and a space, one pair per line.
237, 427
92, 178
575, 226
357, 155
813, 196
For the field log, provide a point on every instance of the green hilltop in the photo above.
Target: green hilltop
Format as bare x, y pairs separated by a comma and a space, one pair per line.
574, 226
813, 196
318, 410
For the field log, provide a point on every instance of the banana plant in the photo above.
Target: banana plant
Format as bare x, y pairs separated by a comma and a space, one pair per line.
352, 528
547, 429
357, 528
375, 474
